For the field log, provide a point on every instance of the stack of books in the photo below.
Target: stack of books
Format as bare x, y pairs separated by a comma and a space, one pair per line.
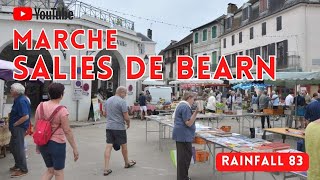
273, 147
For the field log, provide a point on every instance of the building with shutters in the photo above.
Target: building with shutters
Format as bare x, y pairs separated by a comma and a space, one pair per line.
285, 28
206, 41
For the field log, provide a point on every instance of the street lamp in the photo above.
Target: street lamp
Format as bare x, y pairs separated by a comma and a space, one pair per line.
146, 59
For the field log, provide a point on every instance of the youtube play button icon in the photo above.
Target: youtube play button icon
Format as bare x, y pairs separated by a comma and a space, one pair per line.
22, 13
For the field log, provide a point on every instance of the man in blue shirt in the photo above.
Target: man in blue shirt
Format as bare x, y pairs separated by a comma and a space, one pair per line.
18, 125
313, 111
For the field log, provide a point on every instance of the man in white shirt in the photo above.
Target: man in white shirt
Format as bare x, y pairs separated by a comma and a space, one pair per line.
289, 102
231, 101
275, 100
219, 96
211, 105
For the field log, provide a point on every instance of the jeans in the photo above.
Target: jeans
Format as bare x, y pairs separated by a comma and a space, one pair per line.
17, 148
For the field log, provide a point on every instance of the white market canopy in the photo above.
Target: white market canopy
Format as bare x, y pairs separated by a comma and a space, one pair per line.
285, 76
151, 82
197, 81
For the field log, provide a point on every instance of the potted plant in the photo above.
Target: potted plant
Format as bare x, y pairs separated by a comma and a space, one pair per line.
220, 107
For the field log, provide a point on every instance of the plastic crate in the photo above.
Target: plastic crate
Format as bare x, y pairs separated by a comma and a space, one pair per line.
202, 156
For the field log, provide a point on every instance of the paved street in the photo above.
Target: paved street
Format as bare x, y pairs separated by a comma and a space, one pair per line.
151, 162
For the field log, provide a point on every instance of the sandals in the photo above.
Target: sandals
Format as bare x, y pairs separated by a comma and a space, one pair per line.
107, 172
130, 164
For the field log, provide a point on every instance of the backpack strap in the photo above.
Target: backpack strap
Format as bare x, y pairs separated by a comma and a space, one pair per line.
55, 112
41, 111
52, 116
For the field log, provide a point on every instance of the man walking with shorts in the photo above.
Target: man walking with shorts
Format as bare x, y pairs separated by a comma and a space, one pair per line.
143, 105
117, 116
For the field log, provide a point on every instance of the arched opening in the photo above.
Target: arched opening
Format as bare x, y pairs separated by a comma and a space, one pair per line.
35, 90
107, 88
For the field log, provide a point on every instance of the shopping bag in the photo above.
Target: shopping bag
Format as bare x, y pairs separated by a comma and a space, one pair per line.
173, 156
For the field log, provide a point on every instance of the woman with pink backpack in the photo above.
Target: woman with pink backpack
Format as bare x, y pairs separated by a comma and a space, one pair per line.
51, 131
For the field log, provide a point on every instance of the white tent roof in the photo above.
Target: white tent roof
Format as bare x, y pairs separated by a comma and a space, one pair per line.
197, 81
151, 82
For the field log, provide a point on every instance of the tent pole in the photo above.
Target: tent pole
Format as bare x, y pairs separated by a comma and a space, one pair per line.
296, 102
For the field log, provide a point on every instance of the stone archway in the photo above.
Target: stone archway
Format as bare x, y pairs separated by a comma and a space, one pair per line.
36, 91
109, 87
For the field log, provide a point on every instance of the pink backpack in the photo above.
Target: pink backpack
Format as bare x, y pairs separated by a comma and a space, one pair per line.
43, 128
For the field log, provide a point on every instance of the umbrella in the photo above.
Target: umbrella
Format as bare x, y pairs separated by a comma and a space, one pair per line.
245, 86
7, 68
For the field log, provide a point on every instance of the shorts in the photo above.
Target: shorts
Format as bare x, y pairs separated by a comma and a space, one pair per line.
54, 155
301, 111
143, 108
118, 137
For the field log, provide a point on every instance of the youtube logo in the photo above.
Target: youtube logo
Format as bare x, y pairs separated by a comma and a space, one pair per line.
22, 13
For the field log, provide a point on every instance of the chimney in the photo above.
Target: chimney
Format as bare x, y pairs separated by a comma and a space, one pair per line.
149, 34
232, 8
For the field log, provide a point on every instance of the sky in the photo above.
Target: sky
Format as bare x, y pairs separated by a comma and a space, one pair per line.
188, 13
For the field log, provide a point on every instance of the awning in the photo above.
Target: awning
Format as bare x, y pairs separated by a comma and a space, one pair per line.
151, 82
197, 81
285, 76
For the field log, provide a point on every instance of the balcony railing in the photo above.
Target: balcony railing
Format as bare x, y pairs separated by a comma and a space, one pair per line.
79, 9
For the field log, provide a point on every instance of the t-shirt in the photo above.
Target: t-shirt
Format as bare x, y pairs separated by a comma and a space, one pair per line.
115, 107
313, 111
219, 97
181, 132
58, 120
211, 105
142, 100
289, 100
300, 100
20, 108
275, 100
263, 101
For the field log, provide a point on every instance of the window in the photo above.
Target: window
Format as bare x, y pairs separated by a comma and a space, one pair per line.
233, 60
241, 53
256, 53
214, 57
229, 23
195, 64
214, 32
240, 37
228, 58
252, 55
196, 38
279, 23
251, 33
224, 43
232, 40
263, 5
214, 61
245, 13
205, 35
265, 53
282, 57
264, 28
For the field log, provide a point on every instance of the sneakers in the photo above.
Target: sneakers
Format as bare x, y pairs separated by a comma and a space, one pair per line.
18, 173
